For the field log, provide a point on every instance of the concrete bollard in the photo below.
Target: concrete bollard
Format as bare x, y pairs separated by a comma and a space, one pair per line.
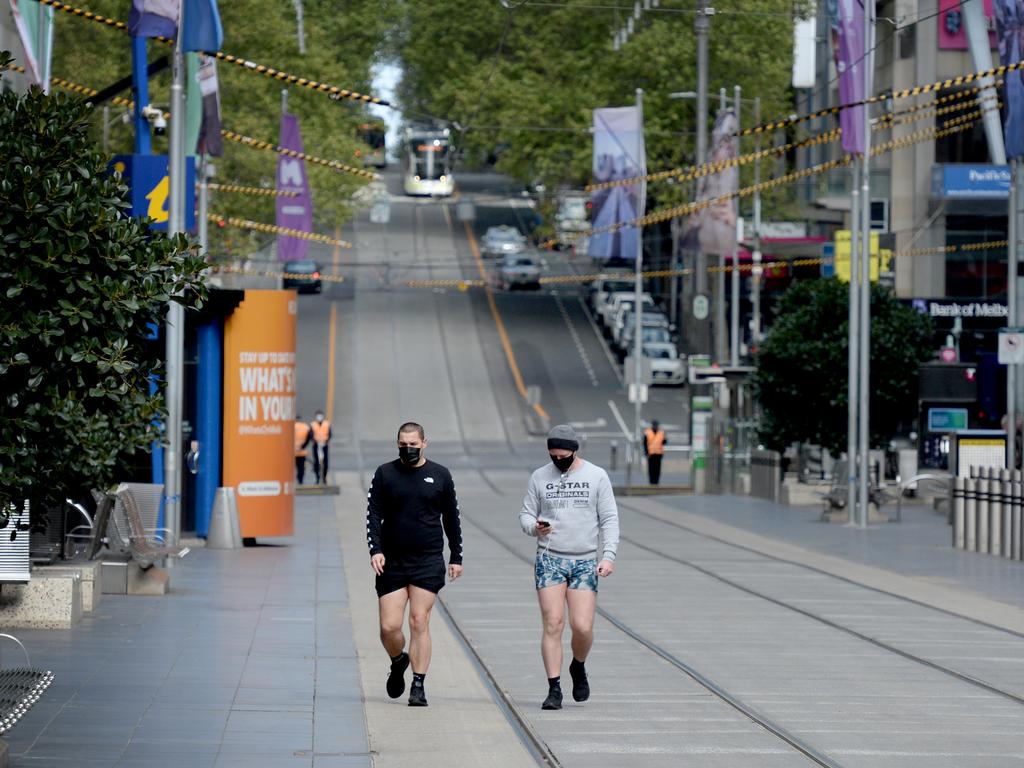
971, 514
1016, 535
225, 530
1006, 512
981, 519
959, 489
995, 513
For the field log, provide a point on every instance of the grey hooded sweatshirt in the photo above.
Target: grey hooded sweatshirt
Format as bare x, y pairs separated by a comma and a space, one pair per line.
580, 507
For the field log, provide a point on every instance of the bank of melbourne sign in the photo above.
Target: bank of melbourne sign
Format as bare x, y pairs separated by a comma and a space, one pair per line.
966, 182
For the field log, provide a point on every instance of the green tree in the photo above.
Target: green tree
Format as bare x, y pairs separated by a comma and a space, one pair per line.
342, 41
522, 83
82, 284
801, 377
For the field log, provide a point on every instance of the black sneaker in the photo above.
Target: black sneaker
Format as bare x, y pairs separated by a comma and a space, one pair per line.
554, 699
580, 685
417, 696
396, 678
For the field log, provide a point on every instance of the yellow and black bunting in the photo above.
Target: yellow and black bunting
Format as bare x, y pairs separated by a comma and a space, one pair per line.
257, 226
243, 190
303, 82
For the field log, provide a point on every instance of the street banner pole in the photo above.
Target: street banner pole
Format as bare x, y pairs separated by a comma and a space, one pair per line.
865, 273
638, 312
853, 357
175, 335
755, 271
1011, 306
734, 298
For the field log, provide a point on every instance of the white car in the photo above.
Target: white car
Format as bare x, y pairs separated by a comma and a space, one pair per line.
651, 321
616, 300
625, 312
667, 366
502, 241
597, 293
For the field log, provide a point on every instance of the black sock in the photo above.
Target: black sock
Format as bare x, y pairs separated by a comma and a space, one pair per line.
418, 678
555, 682
576, 662
398, 657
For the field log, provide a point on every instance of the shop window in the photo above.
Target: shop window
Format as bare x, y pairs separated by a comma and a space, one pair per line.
975, 274
968, 146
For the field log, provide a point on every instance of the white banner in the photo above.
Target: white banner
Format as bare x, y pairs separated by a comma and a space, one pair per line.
619, 153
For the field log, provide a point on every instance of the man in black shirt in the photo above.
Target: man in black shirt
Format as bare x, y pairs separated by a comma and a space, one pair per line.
411, 500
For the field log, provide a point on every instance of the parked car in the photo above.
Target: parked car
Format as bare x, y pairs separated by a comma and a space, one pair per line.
624, 341
667, 366
624, 308
599, 290
615, 300
502, 241
520, 271
303, 276
651, 335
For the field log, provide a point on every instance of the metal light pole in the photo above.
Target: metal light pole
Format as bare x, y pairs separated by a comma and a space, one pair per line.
853, 356
204, 204
1011, 306
755, 272
865, 273
300, 28
721, 334
734, 297
700, 272
638, 312
175, 335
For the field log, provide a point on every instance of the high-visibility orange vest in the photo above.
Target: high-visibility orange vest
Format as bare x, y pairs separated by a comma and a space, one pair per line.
301, 436
321, 431
655, 442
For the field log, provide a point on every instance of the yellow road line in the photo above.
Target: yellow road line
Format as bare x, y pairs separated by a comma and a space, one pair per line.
331, 336
517, 377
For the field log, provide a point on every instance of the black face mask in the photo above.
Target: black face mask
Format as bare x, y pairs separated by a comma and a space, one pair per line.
408, 455
564, 463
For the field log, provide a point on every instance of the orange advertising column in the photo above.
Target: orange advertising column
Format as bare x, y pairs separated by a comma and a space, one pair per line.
259, 411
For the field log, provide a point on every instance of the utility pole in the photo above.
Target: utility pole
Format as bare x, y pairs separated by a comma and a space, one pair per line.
700, 272
853, 356
755, 271
734, 297
175, 329
300, 27
865, 274
721, 334
638, 311
1011, 306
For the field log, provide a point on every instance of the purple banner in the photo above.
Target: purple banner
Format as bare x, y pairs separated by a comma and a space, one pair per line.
849, 48
1009, 25
293, 212
619, 153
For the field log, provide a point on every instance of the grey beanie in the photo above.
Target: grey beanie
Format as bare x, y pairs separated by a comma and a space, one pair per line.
563, 436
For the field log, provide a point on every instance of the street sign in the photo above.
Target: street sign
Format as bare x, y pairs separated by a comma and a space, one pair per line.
701, 306
711, 374
638, 394
1011, 346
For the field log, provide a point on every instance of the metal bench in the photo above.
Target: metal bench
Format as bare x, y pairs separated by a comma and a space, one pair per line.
146, 547
20, 688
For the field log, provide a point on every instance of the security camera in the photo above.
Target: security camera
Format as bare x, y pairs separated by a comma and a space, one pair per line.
156, 119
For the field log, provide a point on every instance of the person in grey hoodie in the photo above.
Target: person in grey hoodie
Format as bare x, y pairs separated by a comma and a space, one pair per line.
569, 506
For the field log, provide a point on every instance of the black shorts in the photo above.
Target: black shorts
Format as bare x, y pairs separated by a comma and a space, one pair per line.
429, 576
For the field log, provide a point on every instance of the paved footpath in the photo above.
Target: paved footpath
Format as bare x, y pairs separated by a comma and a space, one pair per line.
732, 634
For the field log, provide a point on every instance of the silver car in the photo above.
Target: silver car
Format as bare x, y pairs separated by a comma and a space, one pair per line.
521, 271
502, 241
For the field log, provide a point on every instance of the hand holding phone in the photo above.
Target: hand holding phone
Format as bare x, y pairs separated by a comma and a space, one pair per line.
543, 527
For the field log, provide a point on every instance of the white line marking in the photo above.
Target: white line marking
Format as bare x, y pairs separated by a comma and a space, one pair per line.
600, 340
576, 339
618, 418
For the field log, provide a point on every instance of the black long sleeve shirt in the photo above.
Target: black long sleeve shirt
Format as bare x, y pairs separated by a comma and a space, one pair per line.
406, 510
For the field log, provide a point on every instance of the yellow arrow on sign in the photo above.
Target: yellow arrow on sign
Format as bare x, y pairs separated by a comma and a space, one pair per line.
158, 201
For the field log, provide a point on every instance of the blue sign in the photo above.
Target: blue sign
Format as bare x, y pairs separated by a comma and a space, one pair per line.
146, 175
947, 419
828, 259
964, 181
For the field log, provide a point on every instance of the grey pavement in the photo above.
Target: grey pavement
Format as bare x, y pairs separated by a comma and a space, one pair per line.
249, 661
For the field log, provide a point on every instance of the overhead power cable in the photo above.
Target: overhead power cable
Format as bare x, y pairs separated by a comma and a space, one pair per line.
303, 82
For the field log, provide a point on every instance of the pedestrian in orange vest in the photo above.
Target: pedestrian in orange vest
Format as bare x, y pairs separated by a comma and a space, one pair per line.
654, 449
303, 434
321, 429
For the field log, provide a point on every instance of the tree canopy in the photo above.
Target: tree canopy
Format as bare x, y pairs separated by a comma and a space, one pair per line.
521, 83
341, 44
83, 284
801, 376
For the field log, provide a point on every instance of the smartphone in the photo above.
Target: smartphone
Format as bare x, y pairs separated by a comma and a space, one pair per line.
543, 524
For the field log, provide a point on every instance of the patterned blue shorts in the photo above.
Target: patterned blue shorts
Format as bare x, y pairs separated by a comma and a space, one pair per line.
578, 574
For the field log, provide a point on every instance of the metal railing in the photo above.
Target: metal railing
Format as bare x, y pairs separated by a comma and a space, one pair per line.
987, 511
